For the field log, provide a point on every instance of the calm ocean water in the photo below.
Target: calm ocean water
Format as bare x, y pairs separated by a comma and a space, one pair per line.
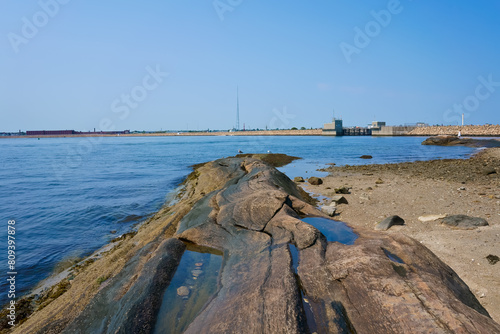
67, 194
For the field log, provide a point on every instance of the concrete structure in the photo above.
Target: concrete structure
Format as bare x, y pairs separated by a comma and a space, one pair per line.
376, 124
357, 131
392, 130
334, 128
377, 128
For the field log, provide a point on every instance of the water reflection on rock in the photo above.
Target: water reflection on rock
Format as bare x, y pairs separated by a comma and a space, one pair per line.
190, 289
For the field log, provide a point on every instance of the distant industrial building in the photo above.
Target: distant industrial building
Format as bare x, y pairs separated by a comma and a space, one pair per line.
376, 125
72, 132
50, 132
335, 128
380, 129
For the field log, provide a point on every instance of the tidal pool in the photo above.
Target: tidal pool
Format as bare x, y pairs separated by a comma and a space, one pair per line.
333, 230
306, 304
194, 284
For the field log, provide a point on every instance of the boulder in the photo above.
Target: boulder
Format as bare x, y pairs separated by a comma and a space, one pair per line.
464, 222
388, 222
329, 210
342, 190
298, 179
492, 259
339, 199
366, 157
315, 181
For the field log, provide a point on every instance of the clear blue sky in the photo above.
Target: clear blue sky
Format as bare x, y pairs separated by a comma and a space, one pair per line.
289, 59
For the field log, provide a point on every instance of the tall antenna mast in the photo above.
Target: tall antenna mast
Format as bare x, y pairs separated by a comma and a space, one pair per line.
237, 110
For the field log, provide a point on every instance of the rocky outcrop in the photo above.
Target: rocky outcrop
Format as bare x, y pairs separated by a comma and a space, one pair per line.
458, 141
251, 213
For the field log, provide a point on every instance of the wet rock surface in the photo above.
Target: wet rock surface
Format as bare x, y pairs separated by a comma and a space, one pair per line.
251, 213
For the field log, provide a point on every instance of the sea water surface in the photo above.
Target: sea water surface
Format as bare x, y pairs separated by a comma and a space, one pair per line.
70, 196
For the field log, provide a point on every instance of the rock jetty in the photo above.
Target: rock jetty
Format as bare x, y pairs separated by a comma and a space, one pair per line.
249, 211
466, 130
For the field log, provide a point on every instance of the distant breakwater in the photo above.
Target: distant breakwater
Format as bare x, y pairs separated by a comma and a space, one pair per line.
309, 132
466, 130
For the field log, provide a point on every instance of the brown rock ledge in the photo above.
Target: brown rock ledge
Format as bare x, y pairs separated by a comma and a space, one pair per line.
251, 212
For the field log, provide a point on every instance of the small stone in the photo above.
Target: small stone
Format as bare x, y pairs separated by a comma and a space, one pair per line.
199, 264
113, 231
492, 259
489, 171
389, 222
379, 181
364, 197
339, 199
196, 272
183, 291
369, 188
315, 181
429, 218
298, 179
461, 188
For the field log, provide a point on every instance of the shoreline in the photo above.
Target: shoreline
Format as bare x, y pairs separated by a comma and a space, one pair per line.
428, 131
435, 187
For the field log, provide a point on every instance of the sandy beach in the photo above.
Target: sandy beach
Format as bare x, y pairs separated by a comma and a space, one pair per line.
411, 190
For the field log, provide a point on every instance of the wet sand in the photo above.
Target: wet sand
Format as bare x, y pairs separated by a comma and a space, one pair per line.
411, 190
